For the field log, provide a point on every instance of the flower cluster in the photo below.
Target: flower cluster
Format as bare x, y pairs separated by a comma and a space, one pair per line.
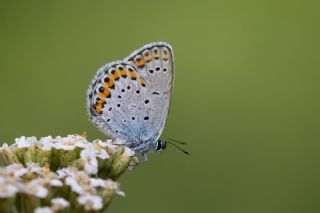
66, 174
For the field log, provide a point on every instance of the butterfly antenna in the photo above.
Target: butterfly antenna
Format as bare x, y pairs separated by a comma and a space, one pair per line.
184, 151
176, 141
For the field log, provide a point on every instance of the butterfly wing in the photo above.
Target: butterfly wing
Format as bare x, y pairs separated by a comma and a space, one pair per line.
129, 100
155, 63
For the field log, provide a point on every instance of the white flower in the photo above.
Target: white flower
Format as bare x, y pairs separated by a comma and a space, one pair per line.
74, 185
60, 202
88, 153
100, 151
6, 189
79, 181
96, 182
112, 148
46, 143
90, 202
55, 182
4, 146
35, 188
24, 142
16, 170
81, 142
35, 168
68, 143
65, 146
105, 144
21, 172
41, 192
110, 184
128, 152
90, 161
106, 184
47, 177
61, 173
71, 171
120, 193
43, 210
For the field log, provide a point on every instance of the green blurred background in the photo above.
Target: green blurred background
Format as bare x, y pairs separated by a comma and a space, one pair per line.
246, 94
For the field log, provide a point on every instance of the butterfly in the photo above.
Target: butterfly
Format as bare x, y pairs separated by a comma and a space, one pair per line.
129, 100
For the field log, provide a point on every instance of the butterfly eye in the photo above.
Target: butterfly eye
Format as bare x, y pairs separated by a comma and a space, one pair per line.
159, 145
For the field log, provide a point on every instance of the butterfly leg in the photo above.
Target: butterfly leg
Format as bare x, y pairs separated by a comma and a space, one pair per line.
144, 157
135, 161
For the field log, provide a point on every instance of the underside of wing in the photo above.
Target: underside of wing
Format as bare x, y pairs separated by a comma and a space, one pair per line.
156, 64
114, 88
130, 99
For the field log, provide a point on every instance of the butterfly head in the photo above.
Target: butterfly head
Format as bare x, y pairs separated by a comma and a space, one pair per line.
161, 145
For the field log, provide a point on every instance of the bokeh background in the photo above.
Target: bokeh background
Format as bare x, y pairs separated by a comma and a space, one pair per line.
246, 94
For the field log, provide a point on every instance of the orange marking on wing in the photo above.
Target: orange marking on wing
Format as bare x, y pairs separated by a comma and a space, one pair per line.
156, 55
142, 82
101, 95
100, 101
99, 105
105, 94
98, 109
109, 83
147, 58
139, 63
165, 55
133, 75
116, 75
123, 73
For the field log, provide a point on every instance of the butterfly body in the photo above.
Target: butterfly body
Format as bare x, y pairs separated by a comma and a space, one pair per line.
129, 100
